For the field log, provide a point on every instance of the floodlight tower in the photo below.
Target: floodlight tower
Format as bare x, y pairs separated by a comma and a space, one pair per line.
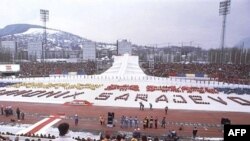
224, 10
44, 14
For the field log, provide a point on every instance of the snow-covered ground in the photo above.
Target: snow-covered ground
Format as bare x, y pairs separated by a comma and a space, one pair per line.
38, 31
126, 70
142, 82
51, 130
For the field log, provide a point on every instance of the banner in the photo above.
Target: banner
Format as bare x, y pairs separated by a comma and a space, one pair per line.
10, 68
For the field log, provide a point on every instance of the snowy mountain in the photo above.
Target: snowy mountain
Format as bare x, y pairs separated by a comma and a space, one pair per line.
24, 33
16, 28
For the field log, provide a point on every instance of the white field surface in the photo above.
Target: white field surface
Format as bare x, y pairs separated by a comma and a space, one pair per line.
90, 95
50, 130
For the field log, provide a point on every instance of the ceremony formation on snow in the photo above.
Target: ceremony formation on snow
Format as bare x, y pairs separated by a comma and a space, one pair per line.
127, 70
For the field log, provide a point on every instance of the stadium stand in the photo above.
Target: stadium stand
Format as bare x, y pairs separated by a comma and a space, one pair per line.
228, 73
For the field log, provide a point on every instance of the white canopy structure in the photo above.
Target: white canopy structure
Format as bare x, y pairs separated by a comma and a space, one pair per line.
125, 65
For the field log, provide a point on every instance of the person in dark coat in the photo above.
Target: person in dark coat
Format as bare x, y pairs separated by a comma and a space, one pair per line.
195, 130
163, 122
18, 113
156, 122
150, 106
166, 110
76, 119
2, 111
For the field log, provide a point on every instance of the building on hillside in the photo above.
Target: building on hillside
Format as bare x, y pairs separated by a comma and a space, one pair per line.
10, 46
124, 47
89, 51
35, 50
8, 51
168, 58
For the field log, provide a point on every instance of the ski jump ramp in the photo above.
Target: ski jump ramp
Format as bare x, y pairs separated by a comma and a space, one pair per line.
125, 65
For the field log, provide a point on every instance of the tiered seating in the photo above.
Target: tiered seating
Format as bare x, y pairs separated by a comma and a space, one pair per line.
228, 73
30, 69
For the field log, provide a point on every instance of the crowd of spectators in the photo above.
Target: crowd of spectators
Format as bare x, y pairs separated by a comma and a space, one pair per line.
45, 69
78, 86
6, 110
122, 87
63, 129
239, 91
231, 73
7, 136
152, 88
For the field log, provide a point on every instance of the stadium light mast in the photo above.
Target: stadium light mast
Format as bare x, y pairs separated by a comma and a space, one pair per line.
224, 10
44, 14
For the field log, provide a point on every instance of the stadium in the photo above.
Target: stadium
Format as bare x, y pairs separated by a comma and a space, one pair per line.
124, 71
192, 101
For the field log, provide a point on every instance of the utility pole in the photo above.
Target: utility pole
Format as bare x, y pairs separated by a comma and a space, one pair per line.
117, 43
241, 52
246, 56
181, 51
224, 10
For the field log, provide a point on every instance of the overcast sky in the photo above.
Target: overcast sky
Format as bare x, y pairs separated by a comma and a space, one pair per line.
143, 22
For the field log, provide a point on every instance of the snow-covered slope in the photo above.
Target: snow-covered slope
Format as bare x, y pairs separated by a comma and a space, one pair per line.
125, 66
39, 31
25, 33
